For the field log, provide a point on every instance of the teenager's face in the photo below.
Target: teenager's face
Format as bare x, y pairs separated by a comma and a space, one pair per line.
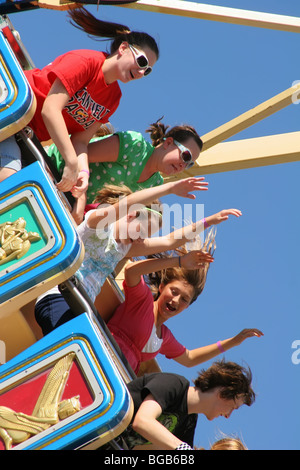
172, 162
128, 67
222, 407
174, 298
133, 229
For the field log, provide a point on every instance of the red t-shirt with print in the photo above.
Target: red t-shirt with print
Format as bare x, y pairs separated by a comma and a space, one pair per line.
91, 99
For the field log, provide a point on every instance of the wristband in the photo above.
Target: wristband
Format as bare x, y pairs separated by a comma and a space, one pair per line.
86, 171
205, 223
222, 350
184, 446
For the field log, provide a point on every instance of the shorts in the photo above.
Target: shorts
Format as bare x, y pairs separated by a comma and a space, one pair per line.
10, 154
51, 312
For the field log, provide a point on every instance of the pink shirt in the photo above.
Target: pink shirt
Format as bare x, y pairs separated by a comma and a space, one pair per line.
132, 324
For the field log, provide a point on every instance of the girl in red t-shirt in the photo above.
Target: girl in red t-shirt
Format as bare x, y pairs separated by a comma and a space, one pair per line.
78, 92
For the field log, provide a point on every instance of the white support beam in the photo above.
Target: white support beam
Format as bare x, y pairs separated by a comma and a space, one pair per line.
246, 153
221, 14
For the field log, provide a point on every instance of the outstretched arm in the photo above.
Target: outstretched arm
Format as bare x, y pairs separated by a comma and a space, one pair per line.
192, 260
181, 188
180, 236
196, 356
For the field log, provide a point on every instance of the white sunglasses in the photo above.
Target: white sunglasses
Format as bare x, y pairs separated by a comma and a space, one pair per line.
141, 60
185, 154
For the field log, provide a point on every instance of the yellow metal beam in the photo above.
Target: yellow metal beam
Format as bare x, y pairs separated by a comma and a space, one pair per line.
261, 151
247, 119
221, 14
247, 153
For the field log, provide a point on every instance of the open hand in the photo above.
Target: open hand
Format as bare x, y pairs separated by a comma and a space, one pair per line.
195, 259
184, 187
222, 215
247, 333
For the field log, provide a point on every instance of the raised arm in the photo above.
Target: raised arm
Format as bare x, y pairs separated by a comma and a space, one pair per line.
180, 236
181, 188
196, 356
192, 260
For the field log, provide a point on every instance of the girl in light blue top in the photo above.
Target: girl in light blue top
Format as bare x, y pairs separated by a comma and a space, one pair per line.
119, 227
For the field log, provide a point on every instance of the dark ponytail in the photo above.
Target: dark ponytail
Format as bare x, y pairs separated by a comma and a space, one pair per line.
159, 131
85, 21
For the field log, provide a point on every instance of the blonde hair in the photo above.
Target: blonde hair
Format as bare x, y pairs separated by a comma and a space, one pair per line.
111, 194
194, 277
228, 443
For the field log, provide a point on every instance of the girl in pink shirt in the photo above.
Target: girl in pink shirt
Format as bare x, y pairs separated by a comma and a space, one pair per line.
138, 324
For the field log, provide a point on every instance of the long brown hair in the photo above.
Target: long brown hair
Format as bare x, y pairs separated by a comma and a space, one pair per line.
195, 277
85, 21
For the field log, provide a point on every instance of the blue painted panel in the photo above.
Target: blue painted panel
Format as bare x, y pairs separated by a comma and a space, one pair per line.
18, 97
31, 194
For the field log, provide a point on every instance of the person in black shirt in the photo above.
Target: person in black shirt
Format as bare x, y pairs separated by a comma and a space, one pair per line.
166, 406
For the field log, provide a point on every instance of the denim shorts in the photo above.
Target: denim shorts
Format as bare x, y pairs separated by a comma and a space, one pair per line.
10, 154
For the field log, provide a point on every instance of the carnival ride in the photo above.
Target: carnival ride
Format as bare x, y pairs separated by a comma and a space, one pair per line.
40, 249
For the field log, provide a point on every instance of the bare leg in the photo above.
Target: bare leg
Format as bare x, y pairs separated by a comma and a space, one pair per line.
5, 173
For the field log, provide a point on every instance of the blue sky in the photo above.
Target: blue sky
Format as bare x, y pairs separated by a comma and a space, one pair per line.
207, 74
